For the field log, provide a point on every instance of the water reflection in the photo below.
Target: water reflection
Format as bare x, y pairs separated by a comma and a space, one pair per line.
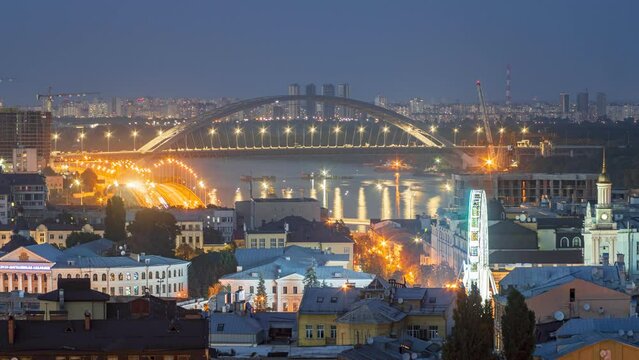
338, 210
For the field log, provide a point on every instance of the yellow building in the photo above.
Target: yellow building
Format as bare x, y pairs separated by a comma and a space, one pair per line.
54, 234
350, 316
191, 233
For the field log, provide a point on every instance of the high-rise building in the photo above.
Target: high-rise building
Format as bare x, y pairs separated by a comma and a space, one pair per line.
294, 106
564, 103
310, 104
25, 129
416, 106
344, 91
582, 103
381, 101
328, 110
602, 105
116, 106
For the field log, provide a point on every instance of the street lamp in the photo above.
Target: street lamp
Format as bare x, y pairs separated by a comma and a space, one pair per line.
287, 131
455, 131
262, 132
524, 130
385, 130
82, 135
361, 134
212, 132
312, 130
478, 131
433, 129
337, 130
237, 132
135, 136
78, 183
108, 137
56, 136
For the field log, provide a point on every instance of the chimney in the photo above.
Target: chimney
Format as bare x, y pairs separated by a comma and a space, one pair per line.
87, 321
11, 331
61, 298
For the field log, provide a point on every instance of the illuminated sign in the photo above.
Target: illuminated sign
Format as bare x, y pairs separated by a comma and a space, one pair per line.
25, 267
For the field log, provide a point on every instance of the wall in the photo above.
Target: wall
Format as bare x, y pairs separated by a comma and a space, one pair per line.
619, 351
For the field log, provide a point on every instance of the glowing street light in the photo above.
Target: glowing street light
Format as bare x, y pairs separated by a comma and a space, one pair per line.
385, 130
212, 133
287, 131
237, 132
312, 130
361, 134
262, 132
455, 131
56, 136
82, 136
433, 129
134, 133
78, 183
108, 135
478, 131
524, 130
336, 130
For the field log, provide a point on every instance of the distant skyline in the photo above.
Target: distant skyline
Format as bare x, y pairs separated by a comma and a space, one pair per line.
434, 50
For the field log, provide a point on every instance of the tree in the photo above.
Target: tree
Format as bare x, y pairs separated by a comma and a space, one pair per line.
260, 297
115, 220
89, 180
518, 328
218, 288
186, 252
77, 238
153, 231
310, 278
207, 269
472, 335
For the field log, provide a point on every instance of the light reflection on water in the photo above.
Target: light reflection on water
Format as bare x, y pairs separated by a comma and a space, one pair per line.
357, 191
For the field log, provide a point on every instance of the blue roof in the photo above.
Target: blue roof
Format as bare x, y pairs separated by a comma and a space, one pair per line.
612, 326
248, 258
93, 248
558, 348
46, 250
233, 323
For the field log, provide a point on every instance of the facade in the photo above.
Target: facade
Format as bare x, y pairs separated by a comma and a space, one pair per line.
25, 129
310, 105
294, 106
564, 103
25, 160
582, 103
5, 193
36, 269
54, 234
344, 90
297, 231
258, 212
602, 105
349, 316
513, 189
328, 110
26, 191
283, 272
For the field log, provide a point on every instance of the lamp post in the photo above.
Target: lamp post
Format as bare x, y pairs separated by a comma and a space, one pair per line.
361, 134
524, 130
135, 136
237, 131
78, 183
478, 131
82, 135
312, 130
108, 137
385, 130
337, 130
262, 132
455, 131
212, 132
287, 131
56, 136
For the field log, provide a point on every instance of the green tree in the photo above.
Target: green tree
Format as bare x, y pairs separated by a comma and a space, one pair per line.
186, 252
472, 335
207, 269
76, 238
153, 231
310, 278
260, 297
89, 180
518, 328
115, 220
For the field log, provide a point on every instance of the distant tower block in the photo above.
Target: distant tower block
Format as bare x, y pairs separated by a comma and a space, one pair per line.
476, 268
508, 96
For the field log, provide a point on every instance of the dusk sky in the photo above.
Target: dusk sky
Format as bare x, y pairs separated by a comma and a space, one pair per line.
401, 49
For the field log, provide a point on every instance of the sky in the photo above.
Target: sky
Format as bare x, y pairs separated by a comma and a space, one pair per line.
434, 50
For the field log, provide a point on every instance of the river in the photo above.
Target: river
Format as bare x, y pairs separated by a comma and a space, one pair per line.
356, 190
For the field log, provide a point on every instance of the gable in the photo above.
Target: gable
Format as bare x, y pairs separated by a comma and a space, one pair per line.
23, 255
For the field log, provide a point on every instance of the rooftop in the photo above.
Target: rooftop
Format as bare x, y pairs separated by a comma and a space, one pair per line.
328, 300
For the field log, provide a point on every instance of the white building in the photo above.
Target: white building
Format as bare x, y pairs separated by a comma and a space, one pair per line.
283, 271
25, 160
36, 268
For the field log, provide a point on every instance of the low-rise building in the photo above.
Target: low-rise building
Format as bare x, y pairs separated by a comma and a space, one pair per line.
350, 316
26, 191
36, 269
258, 211
284, 274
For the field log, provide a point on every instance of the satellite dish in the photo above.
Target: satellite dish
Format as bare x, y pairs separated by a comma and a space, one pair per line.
630, 333
601, 310
586, 306
387, 292
621, 332
369, 341
400, 301
522, 217
558, 315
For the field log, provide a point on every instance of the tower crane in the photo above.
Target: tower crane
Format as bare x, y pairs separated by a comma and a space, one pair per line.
48, 98
492, 160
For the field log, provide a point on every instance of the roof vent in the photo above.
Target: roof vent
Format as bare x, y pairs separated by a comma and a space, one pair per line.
70, 262
147, 261
254, 274
337, 274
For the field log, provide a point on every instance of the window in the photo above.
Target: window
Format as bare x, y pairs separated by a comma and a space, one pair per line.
320, 299
563, 242
104, 277
433, 331
251, 289
572, 295
295, 307
333, 331
334, 299
309, 331
143, 276
285, 307
262, 243
432, 300
273, 243
320, 331
120, 276
150, 275
280, 242
576, 241
274, 289
95, 277
253, 243
285, 290
294, 289
413, 330
220, 327
128, 276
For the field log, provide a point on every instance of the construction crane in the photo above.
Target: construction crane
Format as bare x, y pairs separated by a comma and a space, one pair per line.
491, 160
48, 98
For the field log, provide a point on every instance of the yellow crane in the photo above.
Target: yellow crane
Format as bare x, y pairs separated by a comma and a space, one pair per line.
492, 160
